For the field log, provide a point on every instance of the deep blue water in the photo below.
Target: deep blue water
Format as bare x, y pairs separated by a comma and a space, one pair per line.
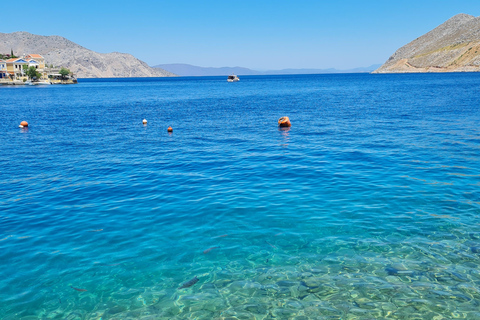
366, 208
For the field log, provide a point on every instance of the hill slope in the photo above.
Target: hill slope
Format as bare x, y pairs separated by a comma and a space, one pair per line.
81, 61
451, 47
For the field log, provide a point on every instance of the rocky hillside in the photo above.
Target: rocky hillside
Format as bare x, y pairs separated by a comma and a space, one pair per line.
81, 61
453, 46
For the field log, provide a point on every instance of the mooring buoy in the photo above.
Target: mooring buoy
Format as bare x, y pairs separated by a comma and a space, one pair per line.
284, 122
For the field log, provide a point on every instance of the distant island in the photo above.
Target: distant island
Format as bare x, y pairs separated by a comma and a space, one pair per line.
186, 70
454, 46
83, 62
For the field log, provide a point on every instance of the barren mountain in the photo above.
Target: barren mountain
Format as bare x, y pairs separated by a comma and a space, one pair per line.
81, 61
451, 47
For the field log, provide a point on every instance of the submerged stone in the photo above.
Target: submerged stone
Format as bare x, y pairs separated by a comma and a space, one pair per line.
285, 283
475, 249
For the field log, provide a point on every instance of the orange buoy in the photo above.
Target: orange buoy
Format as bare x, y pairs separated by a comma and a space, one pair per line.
284, 122
170, 129
23, 124
144, 121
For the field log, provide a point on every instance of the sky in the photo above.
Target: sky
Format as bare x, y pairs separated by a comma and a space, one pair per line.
261, 35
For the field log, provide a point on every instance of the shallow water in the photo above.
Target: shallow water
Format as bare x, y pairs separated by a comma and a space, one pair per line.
366, 208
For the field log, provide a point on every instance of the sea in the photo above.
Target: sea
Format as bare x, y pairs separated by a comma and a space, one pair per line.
367, 207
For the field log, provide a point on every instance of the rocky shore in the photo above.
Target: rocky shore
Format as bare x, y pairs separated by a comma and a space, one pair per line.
454, 46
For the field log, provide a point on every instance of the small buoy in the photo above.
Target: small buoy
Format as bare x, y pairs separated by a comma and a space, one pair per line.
23, 124
284, 122
170, 129
144, 121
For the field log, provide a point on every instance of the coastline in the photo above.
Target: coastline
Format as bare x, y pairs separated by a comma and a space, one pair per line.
30, 83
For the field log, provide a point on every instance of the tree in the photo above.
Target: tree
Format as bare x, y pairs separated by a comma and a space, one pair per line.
32, 73
11, 53
64, 72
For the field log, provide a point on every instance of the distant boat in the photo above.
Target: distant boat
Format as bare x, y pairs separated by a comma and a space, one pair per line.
233, 78
37, 83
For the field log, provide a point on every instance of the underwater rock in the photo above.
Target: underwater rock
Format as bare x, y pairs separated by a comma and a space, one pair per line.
301, 318
311, 283
286, 283
208, 286
115, 310
458, 276
283, 313
391, 271
313, 289
474, 236
254, 308
475, 249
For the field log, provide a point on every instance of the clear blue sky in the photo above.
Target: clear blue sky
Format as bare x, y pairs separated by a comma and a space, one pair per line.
255, 34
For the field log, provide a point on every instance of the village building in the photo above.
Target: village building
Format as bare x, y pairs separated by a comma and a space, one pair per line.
14, 71
3, 69
38, 59
15, 68
33, 63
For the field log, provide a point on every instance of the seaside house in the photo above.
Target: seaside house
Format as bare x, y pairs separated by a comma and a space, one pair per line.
3, 70
33, 63
15, 68
39, 60
14, 71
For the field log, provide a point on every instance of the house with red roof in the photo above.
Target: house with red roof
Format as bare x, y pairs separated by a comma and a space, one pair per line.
38, 59
15, 68
14, 71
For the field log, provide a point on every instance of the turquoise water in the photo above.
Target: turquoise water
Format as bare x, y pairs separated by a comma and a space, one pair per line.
366, 208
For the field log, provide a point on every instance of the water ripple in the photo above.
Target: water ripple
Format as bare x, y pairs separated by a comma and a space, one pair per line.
366, 207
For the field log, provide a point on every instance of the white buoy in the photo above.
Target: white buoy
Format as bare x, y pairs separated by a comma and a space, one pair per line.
144, 121
20, 126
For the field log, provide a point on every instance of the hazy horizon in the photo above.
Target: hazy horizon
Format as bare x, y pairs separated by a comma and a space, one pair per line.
259, 36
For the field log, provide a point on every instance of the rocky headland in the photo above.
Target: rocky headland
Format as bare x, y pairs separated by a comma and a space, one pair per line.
454, 46
81, 61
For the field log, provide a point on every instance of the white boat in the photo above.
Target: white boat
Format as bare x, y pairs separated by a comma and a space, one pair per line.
233, 78
37, 83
